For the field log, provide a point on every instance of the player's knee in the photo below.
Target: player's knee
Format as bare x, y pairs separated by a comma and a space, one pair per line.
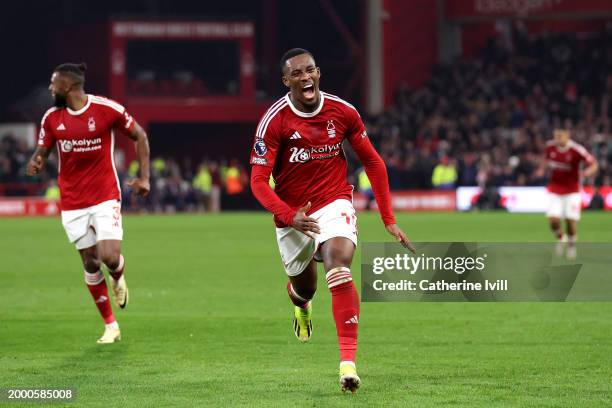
337, 257
91, 265
111, 260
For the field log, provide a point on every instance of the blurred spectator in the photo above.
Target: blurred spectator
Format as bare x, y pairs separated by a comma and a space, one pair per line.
202, 186
217, 182
365, 187
489, 199
597, 202
444, 175
12, 159
52, 192
235, 180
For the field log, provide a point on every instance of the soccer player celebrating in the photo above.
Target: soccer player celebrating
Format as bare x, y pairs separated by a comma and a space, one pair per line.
563, 157
82, 127
299, 141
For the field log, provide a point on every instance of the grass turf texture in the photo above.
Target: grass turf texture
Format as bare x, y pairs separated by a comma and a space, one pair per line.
209, 324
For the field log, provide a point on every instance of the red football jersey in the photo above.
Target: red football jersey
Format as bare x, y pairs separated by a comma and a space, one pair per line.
85, 142
305, 150
564, 165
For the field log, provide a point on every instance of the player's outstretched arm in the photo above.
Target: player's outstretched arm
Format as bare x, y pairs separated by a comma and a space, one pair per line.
141, 185
377, 174
37, 161
401, 237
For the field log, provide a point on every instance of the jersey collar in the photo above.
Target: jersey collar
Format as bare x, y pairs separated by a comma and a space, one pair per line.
306, 114
83, 109
564, 149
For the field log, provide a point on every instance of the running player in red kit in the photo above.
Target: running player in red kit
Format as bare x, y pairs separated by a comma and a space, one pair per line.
564, 157
82, 127
299, 141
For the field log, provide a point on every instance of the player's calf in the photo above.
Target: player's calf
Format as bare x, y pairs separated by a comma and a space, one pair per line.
345, 307
555, 227
572, 239
89, 257
302, 313
99, 292
301, 299
112, 261
118, 284
572, 251
115, 268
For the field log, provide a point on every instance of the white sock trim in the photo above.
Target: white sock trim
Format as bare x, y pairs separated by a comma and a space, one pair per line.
349, 363
93, 278
338, 276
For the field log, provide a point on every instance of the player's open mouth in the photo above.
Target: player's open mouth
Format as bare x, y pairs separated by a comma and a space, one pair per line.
308, 91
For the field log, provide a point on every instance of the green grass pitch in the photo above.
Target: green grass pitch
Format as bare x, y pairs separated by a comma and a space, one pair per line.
209, 324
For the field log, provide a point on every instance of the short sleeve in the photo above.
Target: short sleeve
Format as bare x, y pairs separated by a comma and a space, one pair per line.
45, 135
267, 142
584, 155
124, 121
119, 118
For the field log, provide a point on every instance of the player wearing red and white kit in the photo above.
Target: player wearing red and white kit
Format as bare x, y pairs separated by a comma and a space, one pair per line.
299, 141
82, 127
564, 158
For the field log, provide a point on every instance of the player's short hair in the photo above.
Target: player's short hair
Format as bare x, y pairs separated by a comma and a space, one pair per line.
75, 71
290, 54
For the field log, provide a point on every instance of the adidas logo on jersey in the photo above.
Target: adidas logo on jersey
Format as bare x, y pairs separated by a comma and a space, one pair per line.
61, 127
295, 135
352, 320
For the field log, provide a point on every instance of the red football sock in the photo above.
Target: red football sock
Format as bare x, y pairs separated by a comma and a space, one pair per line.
97, 287
295, 298
345, 307
116, 274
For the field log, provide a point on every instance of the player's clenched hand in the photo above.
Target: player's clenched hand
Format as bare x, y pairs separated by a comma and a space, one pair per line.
401, 237
35, 165
140, 186
304, 223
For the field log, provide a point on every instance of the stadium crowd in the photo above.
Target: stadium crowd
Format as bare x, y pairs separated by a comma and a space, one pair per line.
485, 120
479, 121
181, 187
174, 186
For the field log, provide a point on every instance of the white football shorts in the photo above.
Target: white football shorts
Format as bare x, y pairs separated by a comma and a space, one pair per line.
564, 206
336, 219
85, 227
